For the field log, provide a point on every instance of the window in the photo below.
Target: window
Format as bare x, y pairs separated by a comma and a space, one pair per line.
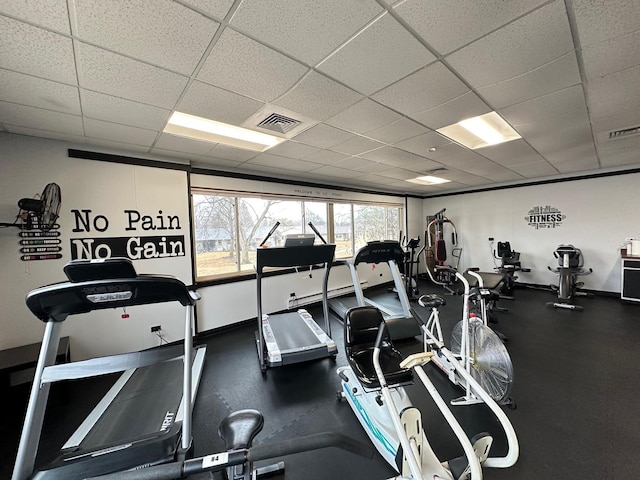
229, 228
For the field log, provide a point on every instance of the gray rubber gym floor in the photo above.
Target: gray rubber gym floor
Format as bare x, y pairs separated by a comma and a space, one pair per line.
576, 387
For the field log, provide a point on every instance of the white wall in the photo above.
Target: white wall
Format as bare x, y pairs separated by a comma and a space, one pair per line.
600, 214
107, 189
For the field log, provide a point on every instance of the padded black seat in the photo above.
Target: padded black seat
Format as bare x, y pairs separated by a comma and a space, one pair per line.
360, 332
239, 428
431, 300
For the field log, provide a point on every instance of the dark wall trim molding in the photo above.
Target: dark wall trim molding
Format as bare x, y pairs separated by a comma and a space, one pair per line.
533, 183
144, 162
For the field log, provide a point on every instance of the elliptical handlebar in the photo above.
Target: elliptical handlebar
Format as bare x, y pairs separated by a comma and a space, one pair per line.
219, 461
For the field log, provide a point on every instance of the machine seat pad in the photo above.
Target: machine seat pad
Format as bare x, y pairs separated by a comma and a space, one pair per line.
432, 300
362, 364
239, 428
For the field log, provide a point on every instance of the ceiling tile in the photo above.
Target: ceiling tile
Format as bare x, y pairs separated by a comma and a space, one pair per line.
305, 29
174, 154
611, 56
165, 34
421, 144
117, 145
275, 161
318, 97
183, 144
526, 44
12, 114
479, 18
550, 77
362, 165
364, 116
33, 132
398, 173
232, 154
245, 66
217, 104
38, 92
332, 171
325, 157
543, 108
535, 169
615, 89
575, 159
427, 88
35, 51
602, 20
214, 163
356, 145
392, 156
119, 110
292, 149
115, 132
323, 136
460, 108
370, 61
51, 14
516, 152
218, 9
397, 131
120, 76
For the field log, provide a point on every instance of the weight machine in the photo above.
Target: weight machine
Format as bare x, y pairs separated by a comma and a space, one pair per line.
436, 253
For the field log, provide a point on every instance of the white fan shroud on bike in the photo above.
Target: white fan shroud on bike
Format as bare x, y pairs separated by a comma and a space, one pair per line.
491, 364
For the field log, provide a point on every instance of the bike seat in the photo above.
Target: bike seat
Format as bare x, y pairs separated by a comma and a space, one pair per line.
431, 300
239, 428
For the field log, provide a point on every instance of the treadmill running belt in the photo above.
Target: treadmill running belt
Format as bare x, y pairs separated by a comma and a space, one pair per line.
140, 408
291, 332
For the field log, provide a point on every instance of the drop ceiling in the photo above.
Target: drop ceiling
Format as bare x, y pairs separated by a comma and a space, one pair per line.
372, 80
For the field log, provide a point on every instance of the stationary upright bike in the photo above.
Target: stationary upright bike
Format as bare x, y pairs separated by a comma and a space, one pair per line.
474, 345
373, 385
570, 267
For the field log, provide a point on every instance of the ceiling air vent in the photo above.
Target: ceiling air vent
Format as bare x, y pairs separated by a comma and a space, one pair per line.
435, 171
625, 132
279, 123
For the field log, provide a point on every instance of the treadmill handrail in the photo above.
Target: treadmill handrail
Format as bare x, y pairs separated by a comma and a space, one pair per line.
60, 300
297, 256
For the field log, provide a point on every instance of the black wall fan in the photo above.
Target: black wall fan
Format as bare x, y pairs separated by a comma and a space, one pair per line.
40, 213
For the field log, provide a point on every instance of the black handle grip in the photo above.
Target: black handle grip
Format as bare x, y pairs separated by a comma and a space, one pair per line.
167, 471
315, 230
273, 229
380, 336
310, 442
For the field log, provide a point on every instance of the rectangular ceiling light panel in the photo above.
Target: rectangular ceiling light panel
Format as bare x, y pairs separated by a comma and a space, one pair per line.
482, 131
206, 130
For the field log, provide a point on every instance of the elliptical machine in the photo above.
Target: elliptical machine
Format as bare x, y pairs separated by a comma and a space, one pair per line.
412, 254
373, 385
570, 267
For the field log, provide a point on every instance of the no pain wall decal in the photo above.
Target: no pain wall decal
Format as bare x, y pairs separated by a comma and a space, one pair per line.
135, 246
545, 217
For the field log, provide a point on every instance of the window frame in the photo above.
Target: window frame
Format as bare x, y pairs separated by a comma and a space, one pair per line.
239, 274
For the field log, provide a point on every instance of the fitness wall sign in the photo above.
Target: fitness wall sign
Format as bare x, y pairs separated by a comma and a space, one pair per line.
134, 247
545, 217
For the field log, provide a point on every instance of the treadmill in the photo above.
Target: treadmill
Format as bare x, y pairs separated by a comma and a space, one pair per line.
144, 419
394, 306
293, 337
